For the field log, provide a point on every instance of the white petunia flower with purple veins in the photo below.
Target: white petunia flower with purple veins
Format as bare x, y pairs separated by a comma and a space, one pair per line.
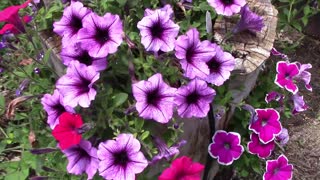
76, 53
82, 159
304, 75
249, 21
283, 137
121, 159
220, 66
155, 99
256, 147
101, 35
298, 104
193, 54
71, 21
227, 7
193, 99
54, 106
167, 9
158, 31
286, 72
76, 86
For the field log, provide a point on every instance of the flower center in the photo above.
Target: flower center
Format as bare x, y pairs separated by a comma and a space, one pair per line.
153, 97
76, 24
227, 146
227, 2
275, 171
287, 76
102, 35
193, 97
83, 86
189, 54
156, 30
214, 66
85, 58
121, 158
264, 122
59, 108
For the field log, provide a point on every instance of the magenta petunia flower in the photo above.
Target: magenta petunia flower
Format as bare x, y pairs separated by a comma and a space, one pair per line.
267, 126
121, 158
304, 75
158, 31
249, 21
82, 158
182, 169
283, 137
71, 22
193, 54
101, 35
227, 7
193, 99
76, 53
154, 99
285, 74
54, 106
76, 86
220, 65
274, 96
278, 169
256, 147
298, 103
226, 147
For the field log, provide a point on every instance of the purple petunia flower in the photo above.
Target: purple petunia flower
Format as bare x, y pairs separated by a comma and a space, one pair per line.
101, 35
167, 9
298, 103
220, 65
82, 158
154, 99
71, 22
227, 7
278, 169
54, 106
249, 21
121, 158
256, 147
285, 74
76, 86
226, 147
304, 75
268, 125
193, 54
158, 31
193, 99
76, 53
274, 96
283, 137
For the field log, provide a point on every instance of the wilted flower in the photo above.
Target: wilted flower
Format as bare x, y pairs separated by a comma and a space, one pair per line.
82, 158
252, 111
121, 158
285, 74
304, 75
278, 169
259, 148
274, 96
193, 99
76, 86
298, 103
24, 84
182, 168
227, 7
154, 99
275, 52
283, 137
226, 147
249, 21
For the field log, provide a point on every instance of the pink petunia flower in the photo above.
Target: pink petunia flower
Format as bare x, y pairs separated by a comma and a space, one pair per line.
259, 148
285, 74
278, 169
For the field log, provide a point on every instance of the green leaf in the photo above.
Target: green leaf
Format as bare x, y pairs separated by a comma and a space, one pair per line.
47, 55
119, 99
144, 135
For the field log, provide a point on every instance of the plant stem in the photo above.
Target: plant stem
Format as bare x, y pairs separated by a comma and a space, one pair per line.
212, 129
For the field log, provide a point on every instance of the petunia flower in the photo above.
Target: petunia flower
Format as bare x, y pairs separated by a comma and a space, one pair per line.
220, 66
167, 9
249, 21
267, 126
54, 106
194, 54
82, 158
298, 103
274, 96
76, 53
11, 28
101, 35
158, 31
285, 74
182, 168
66, 131
227, 7
275, 52
155, 99
121, 158
225, 147
278, 169
76, 86
193, 99
71, 22
256, 147
283, 137
304, 75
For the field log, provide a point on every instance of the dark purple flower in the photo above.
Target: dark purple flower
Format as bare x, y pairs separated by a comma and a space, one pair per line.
220, 65
274, 96
249, 21
24, 84
76, 86
278, 169
283, 137
193, 99
101, 35
227, 7
121, 158
54, 106
285, 74
193, 54
76, 53
256, 147
298, 103
158, 31
225, 147
154, 99
82, 158
267, 126
304, 75
71, 22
